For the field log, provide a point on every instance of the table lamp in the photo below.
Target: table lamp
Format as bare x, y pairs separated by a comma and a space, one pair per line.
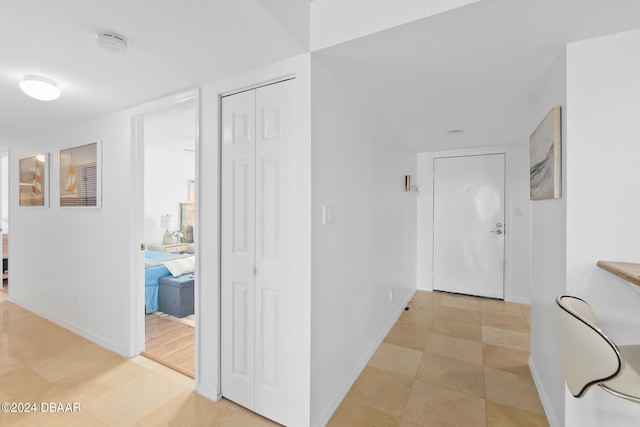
165, 222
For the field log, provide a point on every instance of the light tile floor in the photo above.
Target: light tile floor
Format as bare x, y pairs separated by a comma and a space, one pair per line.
449, 361
42, 363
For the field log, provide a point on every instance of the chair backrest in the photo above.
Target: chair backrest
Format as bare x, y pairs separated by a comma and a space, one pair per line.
588, 355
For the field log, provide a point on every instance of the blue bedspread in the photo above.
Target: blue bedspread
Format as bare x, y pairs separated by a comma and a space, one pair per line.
151, 276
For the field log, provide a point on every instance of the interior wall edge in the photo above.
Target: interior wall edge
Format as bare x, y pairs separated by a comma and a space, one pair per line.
324, 418
544, 397
97, 339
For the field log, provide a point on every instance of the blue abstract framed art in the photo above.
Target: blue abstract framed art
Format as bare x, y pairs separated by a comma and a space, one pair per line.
545, 158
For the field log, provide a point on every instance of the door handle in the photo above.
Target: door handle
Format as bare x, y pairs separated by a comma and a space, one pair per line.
496, 231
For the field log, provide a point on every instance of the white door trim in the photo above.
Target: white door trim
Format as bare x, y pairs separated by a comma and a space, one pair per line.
136, 305
488, 169
209, 382
4, 151
257, 252
258, 85
425, 204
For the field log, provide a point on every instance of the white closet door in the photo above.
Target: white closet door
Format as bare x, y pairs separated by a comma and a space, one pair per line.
275, 245
258, 252
238, 247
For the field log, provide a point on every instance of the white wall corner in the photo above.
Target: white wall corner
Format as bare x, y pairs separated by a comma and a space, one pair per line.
211, 393
601, 221
73, 327
324, 418
519, 300
544, 397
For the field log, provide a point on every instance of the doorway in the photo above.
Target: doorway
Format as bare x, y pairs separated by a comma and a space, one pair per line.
468, 225
166, 149
4, 217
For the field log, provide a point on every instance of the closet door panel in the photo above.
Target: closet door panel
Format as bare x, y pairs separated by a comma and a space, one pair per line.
275, 243
238, 248
240, 334
270, 212
241, 217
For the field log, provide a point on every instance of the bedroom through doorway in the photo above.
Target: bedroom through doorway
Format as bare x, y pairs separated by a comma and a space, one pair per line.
169, 147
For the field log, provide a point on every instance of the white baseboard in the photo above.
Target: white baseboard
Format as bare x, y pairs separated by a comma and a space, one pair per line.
518, 300
544, 398
101, 341
346, 386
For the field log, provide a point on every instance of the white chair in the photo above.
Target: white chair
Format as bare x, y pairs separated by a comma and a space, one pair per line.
590, 357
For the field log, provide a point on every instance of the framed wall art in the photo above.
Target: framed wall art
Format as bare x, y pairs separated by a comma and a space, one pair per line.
81, 176
34, 180
191, 190
545, 158
187, 220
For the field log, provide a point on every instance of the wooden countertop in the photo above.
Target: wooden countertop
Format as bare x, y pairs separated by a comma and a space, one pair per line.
627, 270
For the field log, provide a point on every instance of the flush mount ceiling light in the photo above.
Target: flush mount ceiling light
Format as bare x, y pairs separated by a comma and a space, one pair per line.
112, 42
40, 88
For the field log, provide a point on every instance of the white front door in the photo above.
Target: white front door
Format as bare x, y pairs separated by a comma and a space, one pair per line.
258, 251
468, 229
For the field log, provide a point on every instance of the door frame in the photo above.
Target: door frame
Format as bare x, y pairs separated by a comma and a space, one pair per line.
222, 204
295, 69
516, 260
137, 298
5, 151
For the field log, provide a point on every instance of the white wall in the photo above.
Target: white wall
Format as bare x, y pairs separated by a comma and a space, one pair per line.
208, 330
166, 176
603, 207
548, 257
516, 219
358, 168
75, 266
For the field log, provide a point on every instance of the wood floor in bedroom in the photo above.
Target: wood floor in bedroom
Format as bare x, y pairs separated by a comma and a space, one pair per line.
170, 343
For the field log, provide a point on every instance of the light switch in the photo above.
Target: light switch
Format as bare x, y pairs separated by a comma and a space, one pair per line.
327, 214
519, 211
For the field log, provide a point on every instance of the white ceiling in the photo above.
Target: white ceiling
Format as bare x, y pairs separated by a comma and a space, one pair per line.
476, 68
173, 46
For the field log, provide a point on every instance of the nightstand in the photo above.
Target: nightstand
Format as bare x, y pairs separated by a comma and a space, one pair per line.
176, 248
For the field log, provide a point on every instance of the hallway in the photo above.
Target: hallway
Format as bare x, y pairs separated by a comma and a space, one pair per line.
449, 360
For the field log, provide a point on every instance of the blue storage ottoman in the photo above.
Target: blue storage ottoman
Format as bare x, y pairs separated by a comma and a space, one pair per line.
175, 296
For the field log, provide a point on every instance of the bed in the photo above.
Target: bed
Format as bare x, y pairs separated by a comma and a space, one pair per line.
154, 269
